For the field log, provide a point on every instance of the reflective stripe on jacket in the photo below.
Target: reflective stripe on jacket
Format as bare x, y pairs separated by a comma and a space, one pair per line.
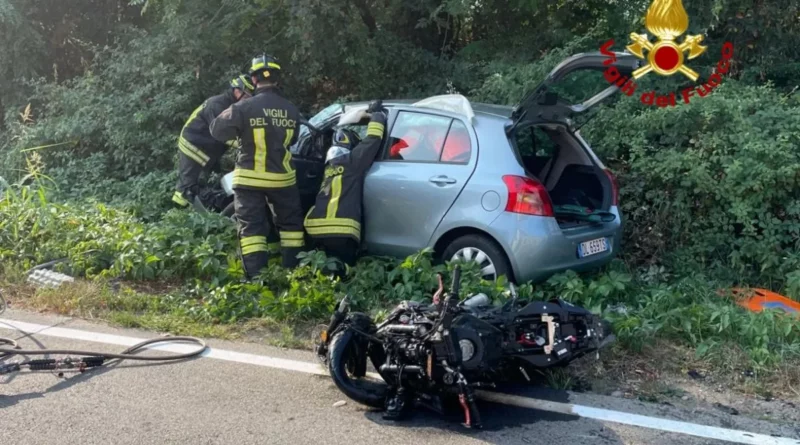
267, 125
337, 210
195, 140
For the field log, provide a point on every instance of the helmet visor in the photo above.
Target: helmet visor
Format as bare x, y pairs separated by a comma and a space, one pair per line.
335, 152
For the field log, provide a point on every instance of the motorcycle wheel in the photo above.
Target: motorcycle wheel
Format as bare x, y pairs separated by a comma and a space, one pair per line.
343, 360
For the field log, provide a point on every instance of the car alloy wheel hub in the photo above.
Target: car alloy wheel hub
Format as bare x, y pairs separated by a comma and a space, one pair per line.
488, 271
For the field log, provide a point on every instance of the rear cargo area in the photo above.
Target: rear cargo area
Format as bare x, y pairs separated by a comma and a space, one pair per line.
578, 188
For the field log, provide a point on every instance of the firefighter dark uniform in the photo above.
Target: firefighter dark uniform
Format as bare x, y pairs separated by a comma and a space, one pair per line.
198, 150
267, 125
335, 219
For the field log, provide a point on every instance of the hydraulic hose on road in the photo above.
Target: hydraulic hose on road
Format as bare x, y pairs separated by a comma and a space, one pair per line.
89, 359
86, 359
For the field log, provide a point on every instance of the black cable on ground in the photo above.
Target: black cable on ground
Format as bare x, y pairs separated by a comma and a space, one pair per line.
9, 342
46, 265
90, 359
124, 355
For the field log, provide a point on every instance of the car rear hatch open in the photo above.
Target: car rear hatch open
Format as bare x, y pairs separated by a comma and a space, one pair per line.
580, 190
543, 104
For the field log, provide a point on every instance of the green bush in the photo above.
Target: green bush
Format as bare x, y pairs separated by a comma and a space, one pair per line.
102, 241
712, 185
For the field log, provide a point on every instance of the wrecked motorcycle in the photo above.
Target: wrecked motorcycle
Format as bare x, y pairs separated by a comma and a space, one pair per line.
430, 354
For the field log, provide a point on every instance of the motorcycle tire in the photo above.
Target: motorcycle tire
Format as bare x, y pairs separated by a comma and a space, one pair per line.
364, 391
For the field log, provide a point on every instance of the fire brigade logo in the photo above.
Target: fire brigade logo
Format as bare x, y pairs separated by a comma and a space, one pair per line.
667, 20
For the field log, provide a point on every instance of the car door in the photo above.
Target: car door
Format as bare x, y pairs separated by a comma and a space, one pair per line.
309, 167
427, 160
308, 153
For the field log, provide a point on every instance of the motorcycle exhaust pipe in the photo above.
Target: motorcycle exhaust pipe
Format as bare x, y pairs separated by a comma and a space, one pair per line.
409, 369
401, 328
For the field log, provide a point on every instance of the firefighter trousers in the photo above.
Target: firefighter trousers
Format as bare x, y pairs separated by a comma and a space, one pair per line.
253, 211
189, 172
345, 249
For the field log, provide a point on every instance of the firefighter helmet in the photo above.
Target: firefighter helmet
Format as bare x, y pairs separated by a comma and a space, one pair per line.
344, 141
244, 84
265, 65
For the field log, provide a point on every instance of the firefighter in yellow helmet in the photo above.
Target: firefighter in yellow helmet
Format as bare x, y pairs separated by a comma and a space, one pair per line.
267, 125
335, 220
198, 151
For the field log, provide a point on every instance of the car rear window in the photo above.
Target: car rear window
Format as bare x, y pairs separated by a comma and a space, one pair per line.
418, 137
457, 147
422, 137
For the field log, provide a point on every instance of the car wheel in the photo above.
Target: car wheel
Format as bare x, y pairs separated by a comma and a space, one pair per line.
484, 251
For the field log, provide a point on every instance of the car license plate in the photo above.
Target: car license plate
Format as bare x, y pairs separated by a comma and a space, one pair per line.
592, 247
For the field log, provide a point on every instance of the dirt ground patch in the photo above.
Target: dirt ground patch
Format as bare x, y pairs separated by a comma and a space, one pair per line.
671, 375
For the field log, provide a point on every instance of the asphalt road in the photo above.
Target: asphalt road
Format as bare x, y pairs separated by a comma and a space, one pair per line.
210, 401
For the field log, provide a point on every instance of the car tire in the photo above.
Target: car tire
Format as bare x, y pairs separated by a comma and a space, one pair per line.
482, 248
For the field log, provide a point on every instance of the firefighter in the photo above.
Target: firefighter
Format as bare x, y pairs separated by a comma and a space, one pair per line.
267, 125
198, 150
334, 221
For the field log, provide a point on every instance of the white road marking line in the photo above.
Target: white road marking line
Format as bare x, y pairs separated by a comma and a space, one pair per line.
180, 348
605, 415
692, 429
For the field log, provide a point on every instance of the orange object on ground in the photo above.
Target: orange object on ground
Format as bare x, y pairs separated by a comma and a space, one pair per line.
757, 300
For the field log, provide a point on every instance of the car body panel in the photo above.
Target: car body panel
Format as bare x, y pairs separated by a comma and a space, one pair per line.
484, 197
538, 248
405, 202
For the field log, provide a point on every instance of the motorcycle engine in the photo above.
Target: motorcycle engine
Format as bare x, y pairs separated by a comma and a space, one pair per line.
420, 354
483, 343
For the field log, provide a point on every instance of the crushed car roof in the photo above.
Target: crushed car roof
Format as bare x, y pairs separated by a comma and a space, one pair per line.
501, 111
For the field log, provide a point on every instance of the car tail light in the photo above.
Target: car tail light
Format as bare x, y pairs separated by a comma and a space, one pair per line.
614, 187
527, 196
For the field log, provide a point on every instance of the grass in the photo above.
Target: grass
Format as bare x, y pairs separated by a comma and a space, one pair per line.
128, 307
174, 324
665, 372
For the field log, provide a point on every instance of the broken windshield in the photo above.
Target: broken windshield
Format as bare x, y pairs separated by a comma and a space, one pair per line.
317, 120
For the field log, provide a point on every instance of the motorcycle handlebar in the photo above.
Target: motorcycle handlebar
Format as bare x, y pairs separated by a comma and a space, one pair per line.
456, 286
